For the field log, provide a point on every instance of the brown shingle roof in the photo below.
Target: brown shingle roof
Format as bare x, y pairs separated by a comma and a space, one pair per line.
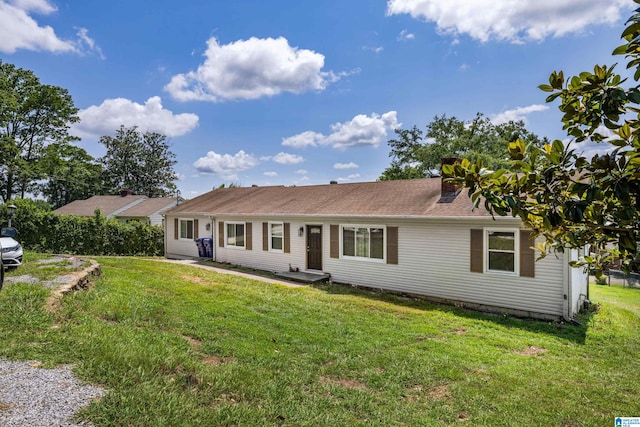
404, 198
149, 207
107, 204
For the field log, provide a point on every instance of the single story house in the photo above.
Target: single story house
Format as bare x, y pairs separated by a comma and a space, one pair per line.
126, 207
418, 237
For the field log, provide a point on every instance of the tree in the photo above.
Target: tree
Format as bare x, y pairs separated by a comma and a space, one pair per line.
141, 162
72, 174
32, 115
417, 156
567, 199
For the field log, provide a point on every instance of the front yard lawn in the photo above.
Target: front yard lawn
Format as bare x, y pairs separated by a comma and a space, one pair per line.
177, 345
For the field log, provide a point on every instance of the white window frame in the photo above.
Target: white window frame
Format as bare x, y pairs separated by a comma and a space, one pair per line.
193, 231
271, 248
516, 251
360, 258
226, 237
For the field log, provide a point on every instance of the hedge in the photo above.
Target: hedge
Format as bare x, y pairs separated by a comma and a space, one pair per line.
41, 230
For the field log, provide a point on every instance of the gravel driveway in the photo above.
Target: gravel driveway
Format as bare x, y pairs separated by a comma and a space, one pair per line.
37, 397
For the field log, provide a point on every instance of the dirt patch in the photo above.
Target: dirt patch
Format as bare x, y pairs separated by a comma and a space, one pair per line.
194, 343
463, 416
460, 331
223, 399
217, 360
194, 279
343, 382
532, 351
439, 392
4, 406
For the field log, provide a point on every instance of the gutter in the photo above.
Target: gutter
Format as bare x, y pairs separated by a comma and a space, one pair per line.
315, 216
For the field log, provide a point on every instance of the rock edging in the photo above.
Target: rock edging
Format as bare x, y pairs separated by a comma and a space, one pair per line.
78, 280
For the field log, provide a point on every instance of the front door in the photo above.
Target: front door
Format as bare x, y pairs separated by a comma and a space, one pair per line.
314, 247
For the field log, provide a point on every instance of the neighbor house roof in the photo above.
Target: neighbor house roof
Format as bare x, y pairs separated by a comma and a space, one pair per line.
403, 198
149, 207
109, 205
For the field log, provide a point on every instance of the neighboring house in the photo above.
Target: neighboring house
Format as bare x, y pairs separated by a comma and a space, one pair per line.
126, 207
410, 236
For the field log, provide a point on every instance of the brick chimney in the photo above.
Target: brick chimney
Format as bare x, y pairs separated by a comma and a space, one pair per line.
448, 190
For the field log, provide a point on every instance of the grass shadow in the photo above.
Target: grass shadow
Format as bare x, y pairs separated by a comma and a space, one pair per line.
575, 333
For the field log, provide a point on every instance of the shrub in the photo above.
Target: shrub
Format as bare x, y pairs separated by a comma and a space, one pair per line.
39, 229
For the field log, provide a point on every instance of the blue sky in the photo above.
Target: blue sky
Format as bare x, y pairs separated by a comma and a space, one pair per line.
302, 92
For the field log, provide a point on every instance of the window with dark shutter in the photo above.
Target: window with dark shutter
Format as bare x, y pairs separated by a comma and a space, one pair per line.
392, 245
287, 239
527, 254
195, 228
176, 227
221, 234
334, 241
249, 236
265, 236
477, 259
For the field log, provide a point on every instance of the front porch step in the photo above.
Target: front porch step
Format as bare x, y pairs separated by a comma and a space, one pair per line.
303, 276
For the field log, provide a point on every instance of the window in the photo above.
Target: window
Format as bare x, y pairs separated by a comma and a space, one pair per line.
501, 250
276, 236
235, 234
363, 242
186, 229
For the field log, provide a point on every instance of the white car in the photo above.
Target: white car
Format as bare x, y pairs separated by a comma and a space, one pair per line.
11, 253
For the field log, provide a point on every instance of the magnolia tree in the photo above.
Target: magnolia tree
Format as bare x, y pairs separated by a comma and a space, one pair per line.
567, 199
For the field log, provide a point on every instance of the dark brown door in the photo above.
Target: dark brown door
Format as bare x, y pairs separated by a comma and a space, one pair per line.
314, 247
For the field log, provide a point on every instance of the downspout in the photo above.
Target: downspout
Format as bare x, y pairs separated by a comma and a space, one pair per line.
164, 223
566, 282
214, 243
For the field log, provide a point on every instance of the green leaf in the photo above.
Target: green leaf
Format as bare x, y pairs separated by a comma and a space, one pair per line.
622, 49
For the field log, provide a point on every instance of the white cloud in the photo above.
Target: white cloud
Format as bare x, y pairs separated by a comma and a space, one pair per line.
19, 30
349, 177
405, 35
286, 159
362, 130
87, 44
516, 114
349, 165
225, 165
509, 20
271, 174
463, 67
250, 69
302, 140
107, 117
376, 49
302, 172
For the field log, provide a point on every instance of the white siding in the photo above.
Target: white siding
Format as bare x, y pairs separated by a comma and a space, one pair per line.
260, 259
578, 281
184, 248
433, 260
155, 219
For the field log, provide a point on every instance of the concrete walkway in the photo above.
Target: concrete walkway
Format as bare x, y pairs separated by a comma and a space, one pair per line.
194, 263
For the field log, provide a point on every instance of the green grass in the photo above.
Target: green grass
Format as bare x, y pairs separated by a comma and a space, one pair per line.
177, 345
